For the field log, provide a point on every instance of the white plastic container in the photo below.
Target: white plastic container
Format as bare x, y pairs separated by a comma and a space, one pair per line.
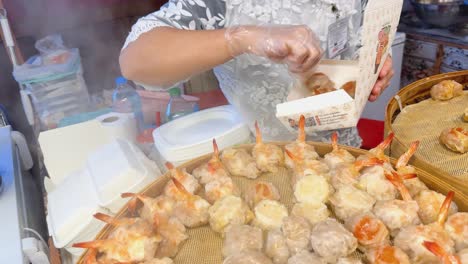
71, 206
191, 136
119, 167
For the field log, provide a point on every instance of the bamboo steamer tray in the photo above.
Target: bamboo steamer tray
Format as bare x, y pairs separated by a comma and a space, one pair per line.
412, 117
204, 245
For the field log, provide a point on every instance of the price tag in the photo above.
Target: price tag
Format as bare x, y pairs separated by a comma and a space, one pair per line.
338, 37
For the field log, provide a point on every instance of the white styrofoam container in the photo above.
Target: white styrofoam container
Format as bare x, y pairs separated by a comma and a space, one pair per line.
71, 206
116, 168
191, 136
66, 149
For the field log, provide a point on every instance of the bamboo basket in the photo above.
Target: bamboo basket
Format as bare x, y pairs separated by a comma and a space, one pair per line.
435, 159
204, 245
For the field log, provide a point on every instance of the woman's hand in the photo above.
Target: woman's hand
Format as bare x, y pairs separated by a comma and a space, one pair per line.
383, 81
295, 46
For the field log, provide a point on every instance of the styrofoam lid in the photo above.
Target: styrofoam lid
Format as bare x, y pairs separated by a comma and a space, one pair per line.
71, 206
191, 136
115, 168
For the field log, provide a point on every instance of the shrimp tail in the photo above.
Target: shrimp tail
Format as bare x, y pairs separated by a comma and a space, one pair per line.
105, 218
438, 251
334, 141
180, 187
444, 209
404, 159
91, 257
91, 244
215, 149
112, 220
367, 163
169, 166
384, 144
302, 135
290, 155
396, 180
409, 176
175, 172
258, 133
133, 203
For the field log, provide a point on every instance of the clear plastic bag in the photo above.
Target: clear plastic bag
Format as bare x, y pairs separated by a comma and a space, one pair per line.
50, 44
53, 61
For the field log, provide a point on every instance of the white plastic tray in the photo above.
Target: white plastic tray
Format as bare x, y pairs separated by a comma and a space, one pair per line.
191, 136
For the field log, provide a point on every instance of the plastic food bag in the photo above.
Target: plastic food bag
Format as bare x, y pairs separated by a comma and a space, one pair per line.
54, 59
49, 44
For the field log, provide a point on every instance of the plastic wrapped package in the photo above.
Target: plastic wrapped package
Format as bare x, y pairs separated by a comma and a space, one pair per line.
240, 238
54, 81
50, 44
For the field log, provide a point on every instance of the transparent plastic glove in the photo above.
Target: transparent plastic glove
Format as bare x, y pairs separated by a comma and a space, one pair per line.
295, 46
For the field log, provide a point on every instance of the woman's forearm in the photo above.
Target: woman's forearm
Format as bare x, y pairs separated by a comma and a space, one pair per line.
164, 55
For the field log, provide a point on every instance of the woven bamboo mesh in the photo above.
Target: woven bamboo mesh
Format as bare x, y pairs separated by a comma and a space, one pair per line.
204, 245
421, 118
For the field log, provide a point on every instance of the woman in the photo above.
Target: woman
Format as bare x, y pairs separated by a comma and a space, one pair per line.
240, 39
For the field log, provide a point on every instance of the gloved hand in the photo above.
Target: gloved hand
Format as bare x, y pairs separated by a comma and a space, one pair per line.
295, 46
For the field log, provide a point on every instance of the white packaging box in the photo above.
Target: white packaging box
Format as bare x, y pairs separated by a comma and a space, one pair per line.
337, 109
